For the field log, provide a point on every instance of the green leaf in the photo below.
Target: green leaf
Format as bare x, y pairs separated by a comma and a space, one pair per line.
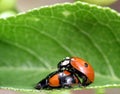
32, 44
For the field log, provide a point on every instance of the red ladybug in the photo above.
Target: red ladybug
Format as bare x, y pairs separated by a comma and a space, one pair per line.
80, 67
59, 79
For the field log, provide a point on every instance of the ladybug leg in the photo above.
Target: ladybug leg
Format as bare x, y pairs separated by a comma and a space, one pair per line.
84, 79
79, 84
66, 86
85, 82
49, 88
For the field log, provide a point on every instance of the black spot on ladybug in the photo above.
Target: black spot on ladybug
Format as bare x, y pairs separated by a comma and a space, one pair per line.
86, 65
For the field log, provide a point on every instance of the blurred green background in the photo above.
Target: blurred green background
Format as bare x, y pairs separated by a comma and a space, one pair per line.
24, 5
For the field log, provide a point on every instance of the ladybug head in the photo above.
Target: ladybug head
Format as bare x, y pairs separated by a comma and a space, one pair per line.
64, 63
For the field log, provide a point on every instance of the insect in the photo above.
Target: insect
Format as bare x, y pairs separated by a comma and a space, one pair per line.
80, 67
59, 79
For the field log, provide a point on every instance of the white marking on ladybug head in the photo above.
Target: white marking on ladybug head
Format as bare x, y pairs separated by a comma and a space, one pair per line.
72, 59
66, 62
67, 58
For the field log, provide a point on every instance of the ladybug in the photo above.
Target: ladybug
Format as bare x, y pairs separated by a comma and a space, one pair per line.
59, 79
80, 67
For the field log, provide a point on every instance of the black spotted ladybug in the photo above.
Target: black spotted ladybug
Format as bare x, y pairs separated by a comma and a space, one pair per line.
80, 67
59, 79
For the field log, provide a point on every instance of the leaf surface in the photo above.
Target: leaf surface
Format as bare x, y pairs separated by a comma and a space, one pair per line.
32, 43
